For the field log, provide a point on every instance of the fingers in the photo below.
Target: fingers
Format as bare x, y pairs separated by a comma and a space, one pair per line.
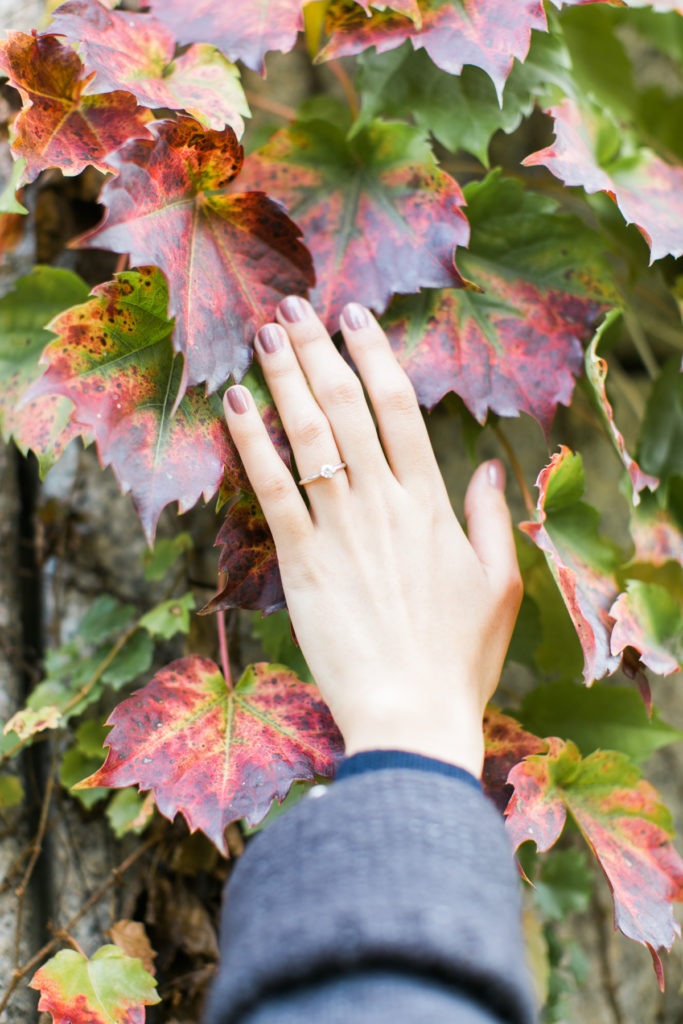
489, 529
278, 494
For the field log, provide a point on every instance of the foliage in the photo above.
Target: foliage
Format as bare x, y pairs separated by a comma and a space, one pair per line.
469, 171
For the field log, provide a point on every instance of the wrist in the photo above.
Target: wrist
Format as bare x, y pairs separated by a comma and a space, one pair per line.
466, 753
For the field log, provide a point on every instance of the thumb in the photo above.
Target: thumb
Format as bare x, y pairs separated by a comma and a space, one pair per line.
489, 527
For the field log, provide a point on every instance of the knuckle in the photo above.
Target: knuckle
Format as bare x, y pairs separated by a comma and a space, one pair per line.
343, 392
309, 431
274, 489
513, 588
398, 397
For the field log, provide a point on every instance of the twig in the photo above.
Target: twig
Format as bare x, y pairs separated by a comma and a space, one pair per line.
223, 636
100, 670
36, 849
121, 263
517, 470
95, 897
271, 106
342, 77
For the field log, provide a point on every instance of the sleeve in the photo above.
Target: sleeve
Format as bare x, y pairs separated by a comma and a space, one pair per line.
391, 898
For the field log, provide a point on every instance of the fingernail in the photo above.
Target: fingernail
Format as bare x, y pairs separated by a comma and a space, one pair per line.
355, 316
293, 309
269, 338
237, 399
496, 474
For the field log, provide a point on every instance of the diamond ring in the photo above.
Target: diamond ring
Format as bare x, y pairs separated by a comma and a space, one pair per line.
327, 471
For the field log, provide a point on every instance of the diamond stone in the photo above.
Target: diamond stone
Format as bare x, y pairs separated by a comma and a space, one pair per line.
327, 471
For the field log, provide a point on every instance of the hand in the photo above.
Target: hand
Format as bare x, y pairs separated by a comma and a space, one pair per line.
403, 620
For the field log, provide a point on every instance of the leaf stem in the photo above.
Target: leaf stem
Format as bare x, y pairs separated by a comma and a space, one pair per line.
223, 636
342, 76
517, 470
121, 263
271, 106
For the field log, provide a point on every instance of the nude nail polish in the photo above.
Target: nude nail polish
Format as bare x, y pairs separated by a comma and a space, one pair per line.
495, 472
237, 400
293, 309
355, 316
269, 338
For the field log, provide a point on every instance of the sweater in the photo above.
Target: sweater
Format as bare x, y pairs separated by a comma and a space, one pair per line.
388, 897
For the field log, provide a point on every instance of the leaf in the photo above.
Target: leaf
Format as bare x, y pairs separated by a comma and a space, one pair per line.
582, 562
59, 125
624, 822
515, 346
113, 358
453, 32
29, 721
656, 529
214, 754
165, 554
243, 32
132, 660
41, 425
506, 744
169, 617
132, 939
596, 375
135, 52
228, 256
104, 618
82, 759
377, 213
275, 633
661, 443
11, 791
650, 619
600, 717
564, 885
642, 185
249, 559
128, 811
9, 202
108, 987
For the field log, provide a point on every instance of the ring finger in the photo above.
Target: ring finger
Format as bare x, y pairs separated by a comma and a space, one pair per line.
305, 424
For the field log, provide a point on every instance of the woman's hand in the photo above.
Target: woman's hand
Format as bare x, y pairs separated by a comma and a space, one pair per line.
403, 620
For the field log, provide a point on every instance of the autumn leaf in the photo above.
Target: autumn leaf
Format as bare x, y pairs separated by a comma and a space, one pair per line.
649, 618
506, 744
377, 213
109, 987
217, 754
641, 183
61, 126
28, 722
41, 425
624, 822
516, 345
249, 560
596, 375
228, 257
656, 531
135, 52
114, 360
582, 562
246, 31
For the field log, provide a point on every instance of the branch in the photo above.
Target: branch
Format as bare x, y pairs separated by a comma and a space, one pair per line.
223, 636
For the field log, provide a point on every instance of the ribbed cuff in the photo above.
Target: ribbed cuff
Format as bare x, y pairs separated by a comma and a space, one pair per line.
375, 760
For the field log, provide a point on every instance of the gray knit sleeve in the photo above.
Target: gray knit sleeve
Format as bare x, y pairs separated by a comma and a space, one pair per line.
394, 885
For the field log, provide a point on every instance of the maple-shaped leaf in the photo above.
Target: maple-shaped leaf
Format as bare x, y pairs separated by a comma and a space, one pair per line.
516, 345
249, 559
596, 375
61, 126
647, 190
377, 213
506, 744
623, 820
109, 987
114, 360
228, 257
582, 562
41, 425
136, 52
649, 618
243, 31
217, 754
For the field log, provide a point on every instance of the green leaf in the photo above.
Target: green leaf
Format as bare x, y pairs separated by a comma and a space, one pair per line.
564, 884
125, 812
11, 791
165, 554
82, 759
661, 442
649, 618
600, 717
170, 617
8, 197
132, 660
110, 987
275, 633
103, 619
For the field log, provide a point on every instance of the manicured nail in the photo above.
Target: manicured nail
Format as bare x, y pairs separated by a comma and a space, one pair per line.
355, 316
293, 309
237, 399
269, 338
496, 474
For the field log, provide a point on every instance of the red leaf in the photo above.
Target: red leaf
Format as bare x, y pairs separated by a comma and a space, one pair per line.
646, 190
622, 819
113, 358
377, 214
650, 619
242, 31
574, 551
135, 52
216, 754
486, 33
59, 125
515, 347
228, 258
507, 743
249, 559
657, 537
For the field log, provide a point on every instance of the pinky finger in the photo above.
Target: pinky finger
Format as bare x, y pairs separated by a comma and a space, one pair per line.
274, 486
